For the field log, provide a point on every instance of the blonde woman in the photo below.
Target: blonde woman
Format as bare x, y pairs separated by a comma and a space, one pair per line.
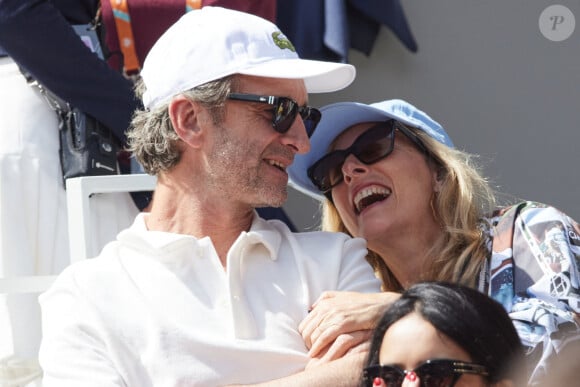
389, 173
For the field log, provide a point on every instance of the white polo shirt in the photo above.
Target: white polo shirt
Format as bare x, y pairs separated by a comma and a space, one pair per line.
158, 309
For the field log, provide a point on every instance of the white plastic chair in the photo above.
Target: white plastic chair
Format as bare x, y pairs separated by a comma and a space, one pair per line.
81, 214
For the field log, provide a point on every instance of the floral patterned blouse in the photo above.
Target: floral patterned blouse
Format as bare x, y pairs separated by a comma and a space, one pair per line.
533, 272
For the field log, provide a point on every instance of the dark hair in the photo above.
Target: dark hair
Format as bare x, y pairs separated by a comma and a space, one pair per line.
474, 321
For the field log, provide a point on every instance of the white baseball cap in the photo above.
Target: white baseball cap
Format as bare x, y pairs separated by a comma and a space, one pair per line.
214, 42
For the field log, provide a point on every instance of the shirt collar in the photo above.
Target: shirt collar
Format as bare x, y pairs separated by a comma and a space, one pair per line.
267, 233
264, 232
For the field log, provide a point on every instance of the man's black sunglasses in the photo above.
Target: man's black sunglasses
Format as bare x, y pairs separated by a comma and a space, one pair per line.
432, 373
284, 111
374, 144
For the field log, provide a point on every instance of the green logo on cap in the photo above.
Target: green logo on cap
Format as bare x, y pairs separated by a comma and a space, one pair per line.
282, 41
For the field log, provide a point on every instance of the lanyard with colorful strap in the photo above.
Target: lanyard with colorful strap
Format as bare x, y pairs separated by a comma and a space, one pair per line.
131, 65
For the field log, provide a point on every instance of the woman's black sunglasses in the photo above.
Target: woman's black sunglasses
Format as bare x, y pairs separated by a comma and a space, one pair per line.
432, 373
284, 111
374, 144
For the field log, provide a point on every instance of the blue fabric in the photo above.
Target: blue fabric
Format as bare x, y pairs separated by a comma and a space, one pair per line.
302, 21
389, 13
327, 29
336, 29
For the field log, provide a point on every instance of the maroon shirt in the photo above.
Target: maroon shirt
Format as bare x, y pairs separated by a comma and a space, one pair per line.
150, 18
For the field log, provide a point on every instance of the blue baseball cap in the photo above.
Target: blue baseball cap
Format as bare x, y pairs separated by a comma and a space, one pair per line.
338, 117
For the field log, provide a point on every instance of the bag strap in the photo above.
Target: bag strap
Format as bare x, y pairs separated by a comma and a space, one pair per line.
125, 33
131, 65
190, 5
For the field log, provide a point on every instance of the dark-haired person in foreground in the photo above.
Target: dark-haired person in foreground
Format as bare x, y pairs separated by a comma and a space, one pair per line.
443, 334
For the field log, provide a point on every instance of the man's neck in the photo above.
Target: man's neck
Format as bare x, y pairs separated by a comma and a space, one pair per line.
184, 213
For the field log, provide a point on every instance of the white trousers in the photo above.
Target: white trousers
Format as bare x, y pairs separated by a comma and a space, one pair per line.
33, 213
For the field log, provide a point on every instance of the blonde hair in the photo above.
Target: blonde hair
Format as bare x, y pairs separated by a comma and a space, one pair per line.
459, 206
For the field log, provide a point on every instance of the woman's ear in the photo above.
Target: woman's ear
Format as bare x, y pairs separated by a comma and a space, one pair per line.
184, 115
437, 180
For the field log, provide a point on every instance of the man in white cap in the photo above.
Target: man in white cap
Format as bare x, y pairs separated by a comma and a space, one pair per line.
202, 291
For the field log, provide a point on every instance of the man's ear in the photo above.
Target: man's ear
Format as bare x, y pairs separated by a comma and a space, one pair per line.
184, 116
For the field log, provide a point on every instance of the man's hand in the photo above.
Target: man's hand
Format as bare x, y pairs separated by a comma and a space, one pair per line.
345, 344
340, 321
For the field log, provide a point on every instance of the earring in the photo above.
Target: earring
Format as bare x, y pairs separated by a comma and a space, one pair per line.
433, 212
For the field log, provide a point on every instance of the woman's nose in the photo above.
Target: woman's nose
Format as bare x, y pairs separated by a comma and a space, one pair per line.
353, 167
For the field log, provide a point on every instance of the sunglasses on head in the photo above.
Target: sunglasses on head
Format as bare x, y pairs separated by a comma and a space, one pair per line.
284, 111
432, 373
373, 145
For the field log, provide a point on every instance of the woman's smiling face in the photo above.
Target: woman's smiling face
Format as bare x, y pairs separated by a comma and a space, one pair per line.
389, 197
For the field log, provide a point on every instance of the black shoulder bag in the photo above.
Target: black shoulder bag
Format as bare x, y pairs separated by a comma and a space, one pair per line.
87, 147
